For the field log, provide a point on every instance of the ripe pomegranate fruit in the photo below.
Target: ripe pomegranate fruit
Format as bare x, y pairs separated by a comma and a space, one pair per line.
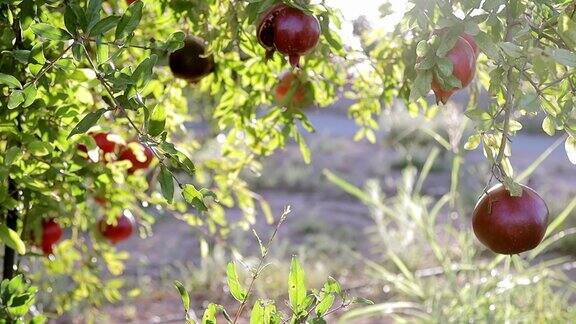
107, 143
507, 224
138, 154
463, 58
290, 83
190, 62
119, 232
288, 30
51, 233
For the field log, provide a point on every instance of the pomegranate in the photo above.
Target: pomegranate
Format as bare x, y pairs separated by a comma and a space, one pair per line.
507, 224
120, 231
51, 233
138, 154
100, 200
107, 143
290, 83
189, 61
288, 30
463, 58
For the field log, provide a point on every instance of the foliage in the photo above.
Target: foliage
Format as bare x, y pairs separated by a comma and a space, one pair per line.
16, 299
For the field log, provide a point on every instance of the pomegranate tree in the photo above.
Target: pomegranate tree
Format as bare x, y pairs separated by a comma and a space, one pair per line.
288, 30
508, 224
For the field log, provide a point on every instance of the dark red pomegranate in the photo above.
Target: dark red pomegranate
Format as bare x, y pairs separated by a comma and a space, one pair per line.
463, 58
120, 231
51, 233
507, 224
288, 30
129, 2
190, 62
138, 154
472, 42
290, 83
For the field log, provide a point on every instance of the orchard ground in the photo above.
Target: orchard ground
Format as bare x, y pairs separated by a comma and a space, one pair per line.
325, 223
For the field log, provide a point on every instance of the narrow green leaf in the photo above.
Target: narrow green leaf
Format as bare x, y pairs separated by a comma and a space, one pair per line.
473, 142
296, 286
549, 126
257, 314
104, 25
39, 148
50, 32
129, 20
10, 81
209, 316
12, 155
236, 289
88, 121
12, 239
166, 183
562, 56
29, 95
184, 295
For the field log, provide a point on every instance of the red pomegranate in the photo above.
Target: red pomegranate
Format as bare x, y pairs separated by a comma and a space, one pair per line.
138, 154
189, 62
300, 94
288, 30
51, 233
106, 142
120, 231
472, 42
507, 224
129, 2
463, 58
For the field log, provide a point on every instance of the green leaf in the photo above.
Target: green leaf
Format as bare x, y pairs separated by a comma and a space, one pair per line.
29, 95
257, 314
570, 146
88, 121
130, 20
296, 286
473, 142
209, 316
487, 46
184, 295
445, 66
39, 148
549, 126
37, 54
12, 239
16, 99
143, 72
157, 121
449, 41
166, 183
562, 56
10, 81
324, 304
236, 289
12, 155
104, 25
50, 32
511, 49
194, 197
422, 85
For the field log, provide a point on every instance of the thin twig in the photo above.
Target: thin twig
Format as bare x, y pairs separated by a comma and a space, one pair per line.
261, 263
